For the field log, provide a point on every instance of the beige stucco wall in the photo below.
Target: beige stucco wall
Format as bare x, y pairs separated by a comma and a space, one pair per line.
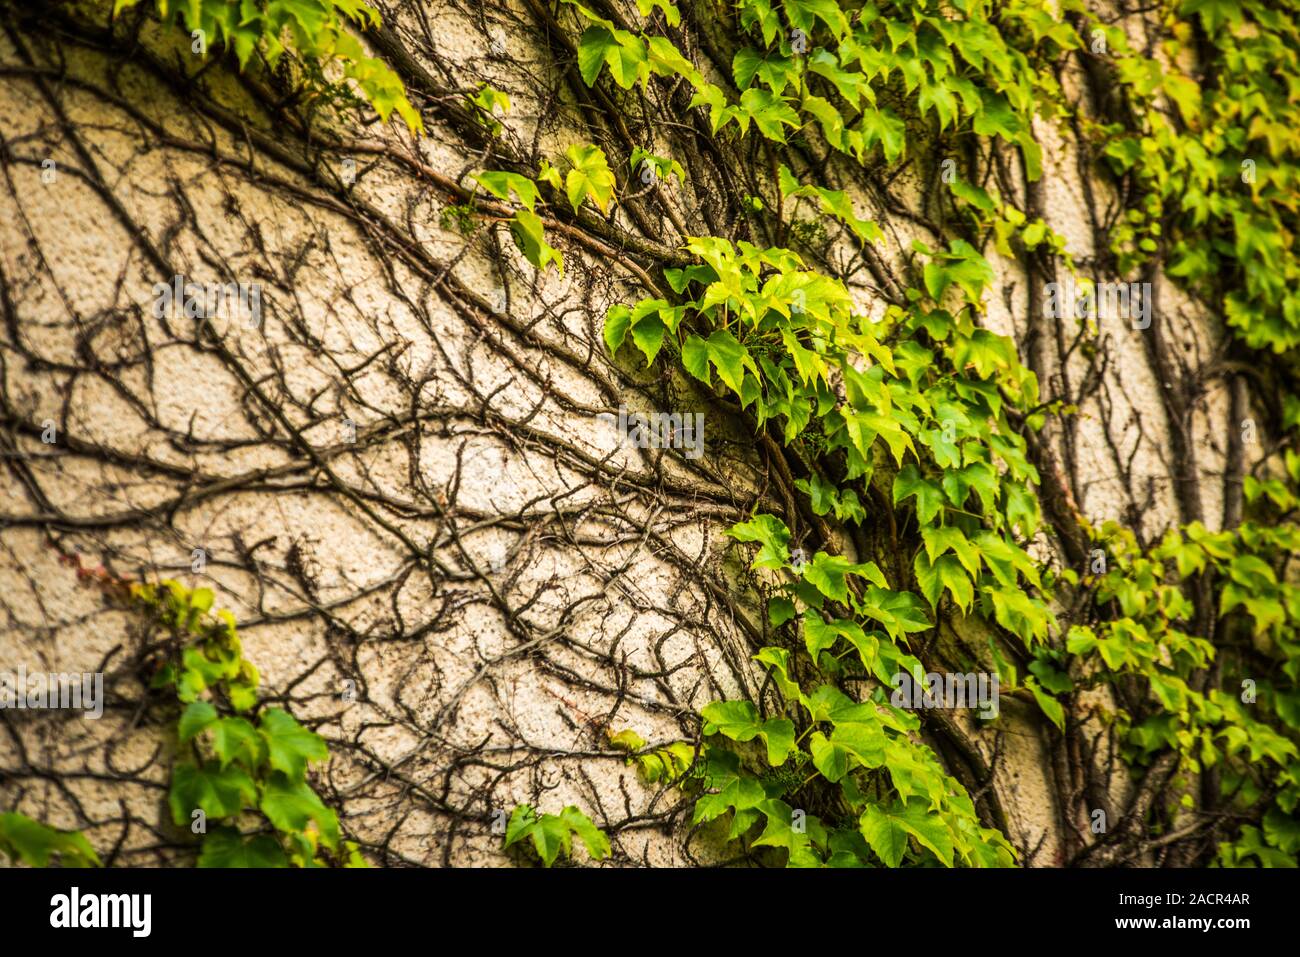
498, 577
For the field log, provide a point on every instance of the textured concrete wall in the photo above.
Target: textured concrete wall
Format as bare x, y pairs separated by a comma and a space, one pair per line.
501, 581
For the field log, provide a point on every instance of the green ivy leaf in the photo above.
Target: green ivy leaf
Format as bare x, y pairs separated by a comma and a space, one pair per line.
235, 739
198, 673
291, 806
883, 127
728, 357
197, 716
648, 335
590, 178
522, 820
779, 830
32, 843
695, 358
929, 499
226, 847
945, 573
216, 791
551, 836
770, 532
735, 791
946, 538
886, 837
738, 720
829, 575
770, 113
595, 46
1022, 508
831, 759
526, 228
779, 611
1051, 707
617, 322
592, 837
862, 741
887, 831
627, 740
501, 184
289, 745
900, 612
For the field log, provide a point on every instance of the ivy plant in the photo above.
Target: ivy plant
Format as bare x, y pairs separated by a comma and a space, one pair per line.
313, 33
551, 835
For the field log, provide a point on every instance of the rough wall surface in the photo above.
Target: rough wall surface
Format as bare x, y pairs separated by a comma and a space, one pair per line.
440, 559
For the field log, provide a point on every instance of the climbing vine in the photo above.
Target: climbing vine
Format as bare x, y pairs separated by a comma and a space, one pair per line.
33, 843
316, 35
240, 779
1215, 162
782, 341
236, 757
551, 835
922, 425
902, 434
